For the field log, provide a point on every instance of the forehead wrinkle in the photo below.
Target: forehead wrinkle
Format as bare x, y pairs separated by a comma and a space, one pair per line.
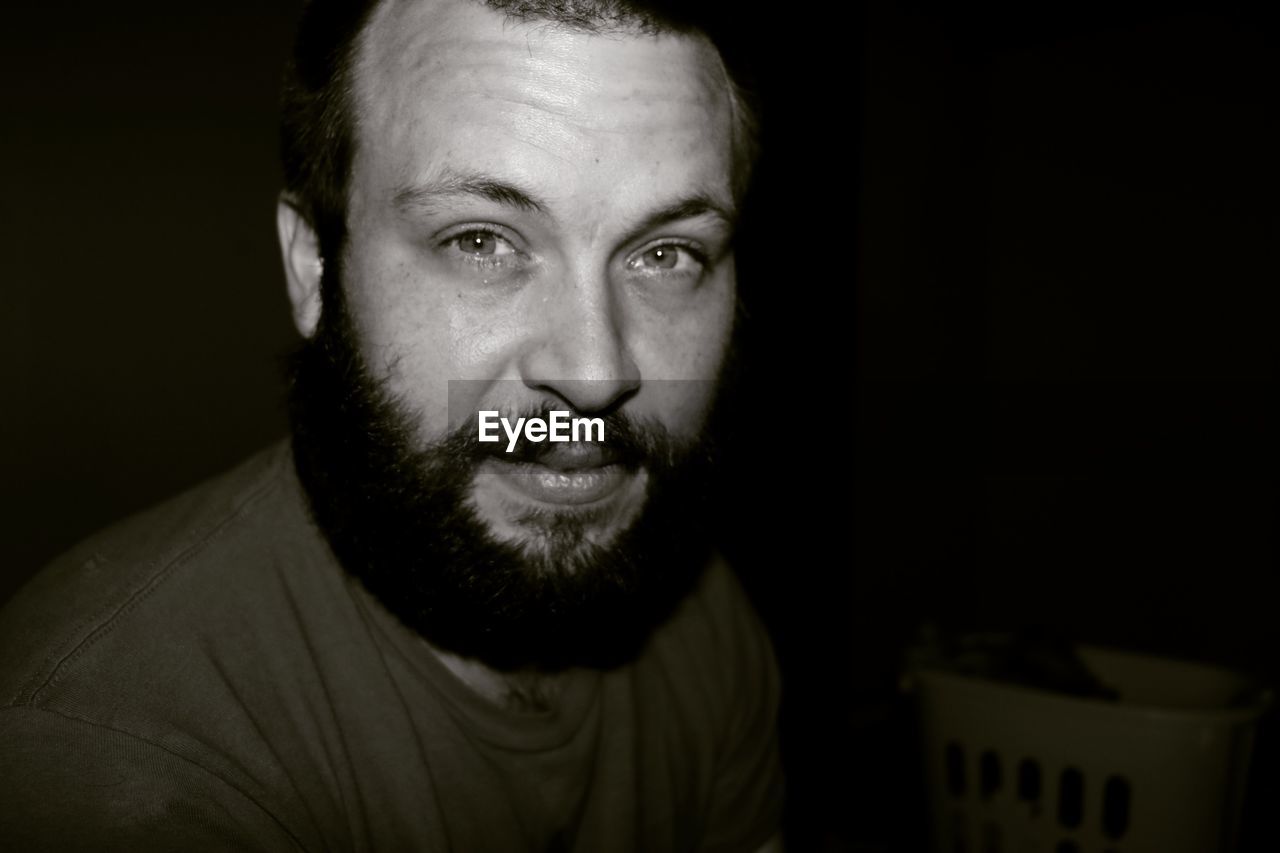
424, 58
410, 73
400, 59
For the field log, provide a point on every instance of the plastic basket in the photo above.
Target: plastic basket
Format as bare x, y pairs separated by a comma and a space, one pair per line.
1019, 770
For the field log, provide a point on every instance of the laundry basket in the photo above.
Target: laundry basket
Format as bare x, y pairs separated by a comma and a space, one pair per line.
1019, 770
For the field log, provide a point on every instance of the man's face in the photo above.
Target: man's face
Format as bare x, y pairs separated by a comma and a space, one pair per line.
538, 220
545, 214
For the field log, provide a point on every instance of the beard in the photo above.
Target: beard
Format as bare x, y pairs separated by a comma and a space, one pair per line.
397, 514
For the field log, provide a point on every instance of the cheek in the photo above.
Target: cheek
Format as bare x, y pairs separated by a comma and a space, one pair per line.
686, 357
416, 310
438, 353
480, 341
403, 341
692, 342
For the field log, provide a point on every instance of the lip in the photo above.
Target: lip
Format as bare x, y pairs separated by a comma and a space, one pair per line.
574, 456
570, 486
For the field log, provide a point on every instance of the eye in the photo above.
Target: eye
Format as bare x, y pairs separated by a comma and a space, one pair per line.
482, 244
482, 249
662, 257
667, 258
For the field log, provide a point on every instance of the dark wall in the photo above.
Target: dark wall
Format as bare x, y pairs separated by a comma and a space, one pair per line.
1066, 325
1065, 334
143, 304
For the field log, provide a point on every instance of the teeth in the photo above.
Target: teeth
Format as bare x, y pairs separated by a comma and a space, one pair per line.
564, 485
560, 480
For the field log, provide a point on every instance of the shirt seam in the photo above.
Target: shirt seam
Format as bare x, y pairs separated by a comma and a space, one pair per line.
162, 573
185, 759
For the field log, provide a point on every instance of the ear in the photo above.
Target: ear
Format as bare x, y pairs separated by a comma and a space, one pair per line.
303, 264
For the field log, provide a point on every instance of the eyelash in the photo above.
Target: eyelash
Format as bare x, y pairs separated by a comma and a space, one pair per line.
492, 262
693, 250
482, 261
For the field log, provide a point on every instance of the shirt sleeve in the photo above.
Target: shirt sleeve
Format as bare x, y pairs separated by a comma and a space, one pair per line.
748, 794
69, 784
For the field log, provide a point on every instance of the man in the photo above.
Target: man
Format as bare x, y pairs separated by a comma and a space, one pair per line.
389, 634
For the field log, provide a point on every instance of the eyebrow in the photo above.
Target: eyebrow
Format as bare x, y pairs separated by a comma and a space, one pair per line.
425, 198
690, 207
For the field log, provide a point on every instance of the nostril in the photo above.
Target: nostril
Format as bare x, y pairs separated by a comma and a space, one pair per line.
595, 397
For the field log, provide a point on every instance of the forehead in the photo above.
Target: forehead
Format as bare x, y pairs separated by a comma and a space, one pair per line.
453, 79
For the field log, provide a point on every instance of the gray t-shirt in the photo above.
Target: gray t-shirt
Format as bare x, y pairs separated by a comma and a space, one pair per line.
206, 677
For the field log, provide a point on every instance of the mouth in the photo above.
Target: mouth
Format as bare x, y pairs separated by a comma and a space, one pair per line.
572, 474
564, 487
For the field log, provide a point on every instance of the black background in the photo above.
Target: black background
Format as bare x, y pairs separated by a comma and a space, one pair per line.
1011, 287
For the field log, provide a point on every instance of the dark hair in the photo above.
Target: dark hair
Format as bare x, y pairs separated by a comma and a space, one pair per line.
317, 133
316, 130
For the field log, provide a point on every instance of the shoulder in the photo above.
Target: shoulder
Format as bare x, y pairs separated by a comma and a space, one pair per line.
720, 680
71, 784
713, 656
718, 621
108, 582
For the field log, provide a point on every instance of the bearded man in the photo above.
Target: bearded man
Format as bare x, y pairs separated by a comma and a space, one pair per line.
385, 633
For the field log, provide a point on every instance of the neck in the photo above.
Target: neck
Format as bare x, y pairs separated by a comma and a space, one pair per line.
526, 691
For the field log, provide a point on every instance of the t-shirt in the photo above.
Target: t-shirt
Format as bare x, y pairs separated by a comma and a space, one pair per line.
206, 677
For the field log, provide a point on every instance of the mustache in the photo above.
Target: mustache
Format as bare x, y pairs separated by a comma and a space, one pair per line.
628, 441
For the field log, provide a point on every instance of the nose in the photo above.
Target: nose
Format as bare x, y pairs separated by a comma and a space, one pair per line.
579, 352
